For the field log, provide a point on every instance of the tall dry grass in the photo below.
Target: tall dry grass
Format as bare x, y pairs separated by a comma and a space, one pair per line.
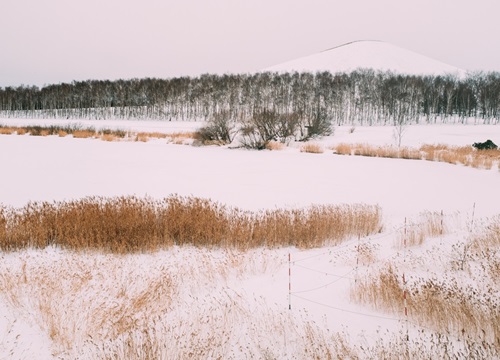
382, 291
124, 224
275, 145
38, 130
182, 303
74, 299
83, 134
178, 138
485, 246
429, 225
312, 148
489, 239
377, 151
441, 305
457, 155
89, 132
156, 306
7, 130
462, 302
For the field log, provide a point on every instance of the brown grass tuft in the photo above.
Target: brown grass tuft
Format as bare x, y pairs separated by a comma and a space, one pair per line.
275, 145
377, 151
442, 305
343, 149
180, 134
430, 224
456, 310
104, 134
456, 155
83, 134
7, 130
383, 291
109, 137
178, 138
311, 148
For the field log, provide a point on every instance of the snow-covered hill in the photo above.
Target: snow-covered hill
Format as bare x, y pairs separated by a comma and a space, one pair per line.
377, 55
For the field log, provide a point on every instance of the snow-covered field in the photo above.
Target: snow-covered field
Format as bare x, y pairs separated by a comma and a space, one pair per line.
234, 304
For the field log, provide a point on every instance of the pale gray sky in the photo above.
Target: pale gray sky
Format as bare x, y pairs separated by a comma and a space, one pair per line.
53, 41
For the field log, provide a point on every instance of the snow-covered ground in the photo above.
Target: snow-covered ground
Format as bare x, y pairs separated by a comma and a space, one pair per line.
252, 285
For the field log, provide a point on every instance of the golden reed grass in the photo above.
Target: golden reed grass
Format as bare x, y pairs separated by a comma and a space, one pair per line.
106, 134
176, 137
311, 148
83, 134
429, 225
465, 155
7, 131
95, 306
275, 145
454, 309
109, 137
486, 246
458, 308
128, 224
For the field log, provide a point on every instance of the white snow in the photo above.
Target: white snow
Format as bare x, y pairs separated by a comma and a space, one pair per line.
54, 168
376, 55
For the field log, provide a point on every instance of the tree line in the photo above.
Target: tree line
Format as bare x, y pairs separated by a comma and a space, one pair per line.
363, 97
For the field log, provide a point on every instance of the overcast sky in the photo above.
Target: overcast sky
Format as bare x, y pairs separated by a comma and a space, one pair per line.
53, 41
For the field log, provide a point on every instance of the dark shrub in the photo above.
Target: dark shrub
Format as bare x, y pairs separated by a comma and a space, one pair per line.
487, 145
219, 130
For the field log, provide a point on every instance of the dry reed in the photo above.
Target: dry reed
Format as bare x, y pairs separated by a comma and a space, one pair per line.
451, 304
429, 225
454, 309
179, 134
148, 306
456, 155
488, 240
486, 246
126, 224
311, 148
83, 134
109, 137
123, 307
104, 134
275, 145
7, 130
343, 149
383, 291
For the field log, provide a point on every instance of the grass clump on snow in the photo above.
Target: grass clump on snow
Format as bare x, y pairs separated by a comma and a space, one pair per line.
465, 155
79, 132
311, 148
461, 300
129, 224
429, 225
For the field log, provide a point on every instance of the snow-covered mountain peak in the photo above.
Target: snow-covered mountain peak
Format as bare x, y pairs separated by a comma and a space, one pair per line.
368, 54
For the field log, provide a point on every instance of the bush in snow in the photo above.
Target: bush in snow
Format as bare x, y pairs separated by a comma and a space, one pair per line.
487, 145
219, 130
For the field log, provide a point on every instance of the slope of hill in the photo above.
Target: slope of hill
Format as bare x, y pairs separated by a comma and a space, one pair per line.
377, 55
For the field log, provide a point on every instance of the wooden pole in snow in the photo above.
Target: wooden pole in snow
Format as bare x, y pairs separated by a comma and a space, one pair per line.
289, 281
